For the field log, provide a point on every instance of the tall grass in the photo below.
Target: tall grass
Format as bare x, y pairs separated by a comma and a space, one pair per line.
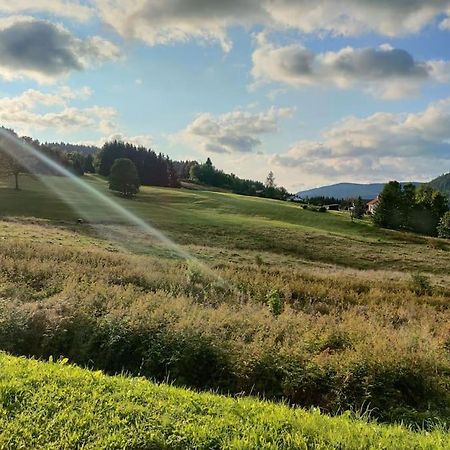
340, 340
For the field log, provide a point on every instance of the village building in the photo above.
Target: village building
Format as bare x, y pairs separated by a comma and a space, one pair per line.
372, 205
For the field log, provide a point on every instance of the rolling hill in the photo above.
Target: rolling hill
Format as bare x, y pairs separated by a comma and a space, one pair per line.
442, 184
346, 190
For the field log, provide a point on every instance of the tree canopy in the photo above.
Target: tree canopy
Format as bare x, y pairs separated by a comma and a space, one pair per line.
415, 209
124, 177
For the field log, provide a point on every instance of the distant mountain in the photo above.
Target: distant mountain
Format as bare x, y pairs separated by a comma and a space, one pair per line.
442, 184
346, 190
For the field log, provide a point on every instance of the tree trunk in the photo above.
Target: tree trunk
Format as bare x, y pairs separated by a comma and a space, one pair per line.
16, 177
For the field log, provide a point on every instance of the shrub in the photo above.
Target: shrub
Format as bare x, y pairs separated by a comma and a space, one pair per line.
275, 302
444, 226
420, 284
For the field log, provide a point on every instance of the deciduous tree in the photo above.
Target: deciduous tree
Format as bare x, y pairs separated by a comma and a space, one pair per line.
124, 177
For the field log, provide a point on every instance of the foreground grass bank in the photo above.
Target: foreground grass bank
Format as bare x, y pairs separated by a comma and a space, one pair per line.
52, 405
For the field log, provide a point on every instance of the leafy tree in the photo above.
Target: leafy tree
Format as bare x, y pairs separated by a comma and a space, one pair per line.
12, 165
443, 228
124, 177
430, 206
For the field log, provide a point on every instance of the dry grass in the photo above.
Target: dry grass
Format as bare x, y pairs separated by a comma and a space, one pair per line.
345, 339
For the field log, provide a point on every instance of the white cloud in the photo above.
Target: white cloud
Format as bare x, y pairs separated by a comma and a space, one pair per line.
43, 51
24, 112
168, 21
381, 146
72, 9
383, 71
233, 132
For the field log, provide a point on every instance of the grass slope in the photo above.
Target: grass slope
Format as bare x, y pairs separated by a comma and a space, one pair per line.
52, 405
222, 220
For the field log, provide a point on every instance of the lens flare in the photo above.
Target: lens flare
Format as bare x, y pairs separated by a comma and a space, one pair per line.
22, 152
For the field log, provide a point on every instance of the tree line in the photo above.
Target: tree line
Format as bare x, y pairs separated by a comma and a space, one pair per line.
410, 208
209, 175
153, 169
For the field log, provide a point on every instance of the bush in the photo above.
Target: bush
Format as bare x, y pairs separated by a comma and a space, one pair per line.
420, 284
444, 226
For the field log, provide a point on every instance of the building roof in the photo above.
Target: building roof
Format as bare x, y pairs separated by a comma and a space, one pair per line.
374, 201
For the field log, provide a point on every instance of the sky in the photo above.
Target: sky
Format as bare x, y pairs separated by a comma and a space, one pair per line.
318, 91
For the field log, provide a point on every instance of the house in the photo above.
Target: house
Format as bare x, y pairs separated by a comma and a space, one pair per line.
372, 205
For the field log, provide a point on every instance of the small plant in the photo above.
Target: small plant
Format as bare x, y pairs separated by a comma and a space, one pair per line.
194, 274
275, 302
420, 284
259, 261
322, 209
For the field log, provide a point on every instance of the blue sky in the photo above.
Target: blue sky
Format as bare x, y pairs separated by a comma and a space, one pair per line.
318, 92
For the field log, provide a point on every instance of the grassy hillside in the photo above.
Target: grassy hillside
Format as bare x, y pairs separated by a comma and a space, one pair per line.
52, 405
226, 221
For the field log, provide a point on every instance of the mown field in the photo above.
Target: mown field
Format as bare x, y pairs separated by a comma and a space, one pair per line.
52, 405
295, 306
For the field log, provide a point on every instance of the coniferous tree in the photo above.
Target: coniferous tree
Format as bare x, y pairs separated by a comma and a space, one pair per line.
88, 166
388, 213
359, 208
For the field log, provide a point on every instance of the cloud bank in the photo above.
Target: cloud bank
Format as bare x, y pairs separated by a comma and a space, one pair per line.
44, 51
168, 21
24, 112
72, 9
384, 71
376, 147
